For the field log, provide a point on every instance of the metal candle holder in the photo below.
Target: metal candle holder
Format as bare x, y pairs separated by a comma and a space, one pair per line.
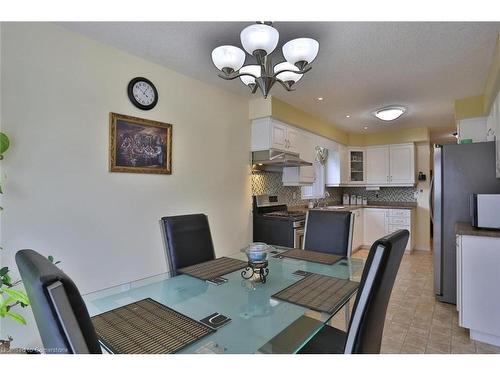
256, 270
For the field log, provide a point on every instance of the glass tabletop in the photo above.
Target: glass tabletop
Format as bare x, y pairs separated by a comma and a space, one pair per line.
259, 323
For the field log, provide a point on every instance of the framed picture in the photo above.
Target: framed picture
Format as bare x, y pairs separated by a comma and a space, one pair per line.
138, 145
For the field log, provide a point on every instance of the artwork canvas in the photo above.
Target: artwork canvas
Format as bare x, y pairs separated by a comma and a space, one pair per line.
139, 146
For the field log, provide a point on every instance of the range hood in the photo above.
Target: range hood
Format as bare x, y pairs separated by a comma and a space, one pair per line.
275, 160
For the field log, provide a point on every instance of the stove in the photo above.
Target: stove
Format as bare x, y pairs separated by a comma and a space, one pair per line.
274, 224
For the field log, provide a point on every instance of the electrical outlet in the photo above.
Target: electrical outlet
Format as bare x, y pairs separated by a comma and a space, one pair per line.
294, 195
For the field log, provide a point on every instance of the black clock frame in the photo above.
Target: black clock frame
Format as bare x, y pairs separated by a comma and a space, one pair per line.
131, 94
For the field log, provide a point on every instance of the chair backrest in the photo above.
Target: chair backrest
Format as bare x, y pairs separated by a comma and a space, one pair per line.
60, 313
187, 241
329, 231
368, 316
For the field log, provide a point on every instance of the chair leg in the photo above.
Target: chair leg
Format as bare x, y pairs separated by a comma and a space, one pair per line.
347, 315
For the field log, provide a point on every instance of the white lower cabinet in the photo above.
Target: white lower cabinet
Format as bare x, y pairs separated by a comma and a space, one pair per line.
357, 237
478, 280
375, 225
379, 222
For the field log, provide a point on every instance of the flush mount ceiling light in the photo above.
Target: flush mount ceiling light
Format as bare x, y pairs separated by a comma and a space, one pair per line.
260, 40
389, 113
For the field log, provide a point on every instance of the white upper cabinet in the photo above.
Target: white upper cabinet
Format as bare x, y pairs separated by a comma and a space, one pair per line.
293, 176
269, 133
278, 136
356, 164
377, 165
472, 128
390, 165
402, 164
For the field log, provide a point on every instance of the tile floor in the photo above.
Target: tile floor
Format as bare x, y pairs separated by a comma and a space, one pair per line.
416, 322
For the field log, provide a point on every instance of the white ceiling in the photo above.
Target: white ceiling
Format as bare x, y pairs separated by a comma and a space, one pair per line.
361, 66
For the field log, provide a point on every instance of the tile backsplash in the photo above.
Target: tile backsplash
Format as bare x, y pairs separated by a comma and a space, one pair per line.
270, 183
385, 194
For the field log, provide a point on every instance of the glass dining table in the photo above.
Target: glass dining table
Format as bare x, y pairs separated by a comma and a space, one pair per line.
259, 323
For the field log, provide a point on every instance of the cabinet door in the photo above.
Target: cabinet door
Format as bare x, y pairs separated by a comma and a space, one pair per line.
344, 165
402, 164
356, 164
377, 165
375, 224
333, 168
480, 262
278, 136
358, 235
293, 139
307, 153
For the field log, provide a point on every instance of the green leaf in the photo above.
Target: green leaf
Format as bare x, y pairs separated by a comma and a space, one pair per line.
17, 295
4, 270
57, 262
16, 317
50, 258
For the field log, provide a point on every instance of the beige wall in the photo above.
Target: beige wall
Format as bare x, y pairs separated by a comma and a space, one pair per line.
57, 91
390, 137
422, 227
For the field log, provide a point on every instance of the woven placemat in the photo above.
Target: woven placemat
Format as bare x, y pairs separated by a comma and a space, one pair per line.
312, 256
147, 327
214, 268
319, 292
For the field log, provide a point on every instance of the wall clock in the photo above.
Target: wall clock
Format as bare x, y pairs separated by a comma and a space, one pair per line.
142, 93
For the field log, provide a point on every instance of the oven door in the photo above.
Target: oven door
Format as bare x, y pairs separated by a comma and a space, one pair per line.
298, 234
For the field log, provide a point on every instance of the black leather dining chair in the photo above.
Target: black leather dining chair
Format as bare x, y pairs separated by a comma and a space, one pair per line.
364, 335
187, 241
329, 231
60, 313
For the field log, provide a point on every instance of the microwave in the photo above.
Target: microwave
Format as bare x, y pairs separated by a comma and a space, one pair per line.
485, 210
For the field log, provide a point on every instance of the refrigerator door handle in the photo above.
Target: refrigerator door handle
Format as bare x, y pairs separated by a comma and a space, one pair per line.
431, 207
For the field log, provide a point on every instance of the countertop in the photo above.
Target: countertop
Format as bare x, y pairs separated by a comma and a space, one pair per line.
352, 207
467, 229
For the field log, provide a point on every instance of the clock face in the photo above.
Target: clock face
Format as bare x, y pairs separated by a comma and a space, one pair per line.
142, 93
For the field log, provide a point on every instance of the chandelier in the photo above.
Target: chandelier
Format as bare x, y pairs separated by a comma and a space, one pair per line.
260, 40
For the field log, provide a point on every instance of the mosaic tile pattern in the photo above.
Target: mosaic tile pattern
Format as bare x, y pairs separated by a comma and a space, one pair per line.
385, 194
270, 183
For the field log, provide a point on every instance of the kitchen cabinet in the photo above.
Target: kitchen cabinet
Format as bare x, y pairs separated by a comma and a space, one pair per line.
390, 165
478, 262
379, 222
297, 176
402, 164
377, 165
269, 133
356, 165
336, 166
357, 237
472, 128
317, 189
375, 224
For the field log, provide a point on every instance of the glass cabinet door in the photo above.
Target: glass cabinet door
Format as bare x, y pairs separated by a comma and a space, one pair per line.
357, 166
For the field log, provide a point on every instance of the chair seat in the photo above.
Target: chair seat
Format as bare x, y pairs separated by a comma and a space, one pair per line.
328, 340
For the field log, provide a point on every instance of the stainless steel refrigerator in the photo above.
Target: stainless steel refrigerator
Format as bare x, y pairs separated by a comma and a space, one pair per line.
459, 170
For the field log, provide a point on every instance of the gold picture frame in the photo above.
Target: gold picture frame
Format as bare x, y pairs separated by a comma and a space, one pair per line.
138, 145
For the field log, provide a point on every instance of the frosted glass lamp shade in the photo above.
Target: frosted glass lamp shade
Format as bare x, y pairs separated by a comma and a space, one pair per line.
259, 37
228, 57
287, 76
390, 113
252, 69
300, 49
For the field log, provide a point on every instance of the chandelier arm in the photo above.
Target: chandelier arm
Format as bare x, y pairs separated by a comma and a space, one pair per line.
235, 75
293, 71
254, 89
287, 88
